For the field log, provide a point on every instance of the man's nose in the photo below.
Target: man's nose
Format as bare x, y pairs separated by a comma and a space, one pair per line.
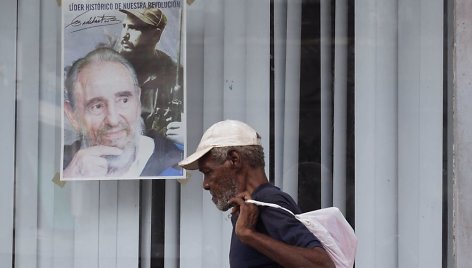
206, 185
126, 35
113, 116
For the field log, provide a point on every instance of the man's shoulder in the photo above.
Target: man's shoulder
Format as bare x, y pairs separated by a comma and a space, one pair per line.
166, 155
159, 54
163, 144
162, 60
268, 192
161, 69
272, 194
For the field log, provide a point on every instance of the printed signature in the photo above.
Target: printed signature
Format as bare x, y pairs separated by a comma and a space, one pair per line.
83, 22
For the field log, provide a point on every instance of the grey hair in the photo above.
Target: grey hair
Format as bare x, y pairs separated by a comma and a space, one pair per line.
254, 154
98, 55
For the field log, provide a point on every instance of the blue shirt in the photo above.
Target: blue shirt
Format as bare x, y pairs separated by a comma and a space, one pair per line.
274, 222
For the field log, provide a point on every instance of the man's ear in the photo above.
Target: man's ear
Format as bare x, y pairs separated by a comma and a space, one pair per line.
235, 158
70, 114
157, 35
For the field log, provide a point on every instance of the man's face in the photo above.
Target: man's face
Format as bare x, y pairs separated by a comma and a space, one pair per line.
107, 107
137, 36
220, 180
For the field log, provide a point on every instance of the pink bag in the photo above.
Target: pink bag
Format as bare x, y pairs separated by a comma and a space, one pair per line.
331, 228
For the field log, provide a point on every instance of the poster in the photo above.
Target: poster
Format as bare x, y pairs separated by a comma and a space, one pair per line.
123, 81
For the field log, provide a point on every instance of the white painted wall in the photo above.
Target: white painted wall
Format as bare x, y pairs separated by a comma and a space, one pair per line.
462, 129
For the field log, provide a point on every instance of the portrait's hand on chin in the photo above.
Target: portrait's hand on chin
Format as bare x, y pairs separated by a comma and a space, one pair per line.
90, 162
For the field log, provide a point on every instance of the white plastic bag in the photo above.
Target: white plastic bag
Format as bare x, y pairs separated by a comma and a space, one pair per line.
331, 228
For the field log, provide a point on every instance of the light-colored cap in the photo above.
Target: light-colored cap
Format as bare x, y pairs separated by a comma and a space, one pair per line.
222, 134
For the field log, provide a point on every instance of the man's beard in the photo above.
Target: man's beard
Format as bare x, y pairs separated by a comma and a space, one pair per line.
136, 55
119, 164
131, 53
222, 202
121, 50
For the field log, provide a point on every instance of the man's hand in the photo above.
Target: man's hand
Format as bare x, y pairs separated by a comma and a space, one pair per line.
175, 132
248, 215
89, 162
286, 255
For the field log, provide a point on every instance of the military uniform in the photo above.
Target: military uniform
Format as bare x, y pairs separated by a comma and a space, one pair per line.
161, 84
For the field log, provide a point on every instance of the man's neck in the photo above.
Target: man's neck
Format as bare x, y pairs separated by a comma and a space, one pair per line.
254, 178
140, 62
139, 55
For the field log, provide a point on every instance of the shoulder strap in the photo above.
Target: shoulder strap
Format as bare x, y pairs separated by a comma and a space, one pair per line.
259, 203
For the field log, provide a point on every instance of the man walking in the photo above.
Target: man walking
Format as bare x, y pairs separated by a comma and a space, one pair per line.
231, 158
